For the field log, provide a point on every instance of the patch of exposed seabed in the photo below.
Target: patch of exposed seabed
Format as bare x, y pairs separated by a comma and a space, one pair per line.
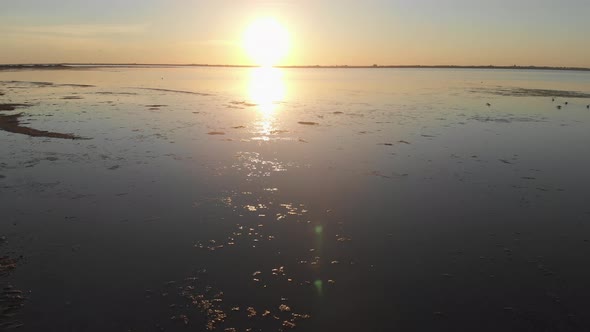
527, 92
13, 122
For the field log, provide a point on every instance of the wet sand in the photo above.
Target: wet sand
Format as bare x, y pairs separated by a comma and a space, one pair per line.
427, 202
11, 107
12, 124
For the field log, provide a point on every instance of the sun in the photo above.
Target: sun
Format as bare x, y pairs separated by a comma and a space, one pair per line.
266, 41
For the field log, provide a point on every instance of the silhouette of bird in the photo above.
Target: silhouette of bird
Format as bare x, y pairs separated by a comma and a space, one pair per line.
558, 107
488, 104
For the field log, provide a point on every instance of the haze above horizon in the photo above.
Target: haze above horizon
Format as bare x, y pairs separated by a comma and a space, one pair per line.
422, 32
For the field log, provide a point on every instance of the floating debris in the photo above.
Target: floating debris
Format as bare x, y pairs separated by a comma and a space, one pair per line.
251, 312
308, 123
279, 271
342, 238
216, 133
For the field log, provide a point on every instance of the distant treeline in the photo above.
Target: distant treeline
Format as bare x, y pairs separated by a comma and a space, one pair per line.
375, 66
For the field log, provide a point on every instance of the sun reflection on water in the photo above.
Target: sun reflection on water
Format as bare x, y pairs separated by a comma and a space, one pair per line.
266, 88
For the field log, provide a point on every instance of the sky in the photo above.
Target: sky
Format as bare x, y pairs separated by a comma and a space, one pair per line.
321, 32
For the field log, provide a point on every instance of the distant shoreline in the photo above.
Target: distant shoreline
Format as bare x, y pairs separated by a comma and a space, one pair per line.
152, 65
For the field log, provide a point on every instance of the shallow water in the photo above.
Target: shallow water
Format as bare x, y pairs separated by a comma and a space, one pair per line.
368, 199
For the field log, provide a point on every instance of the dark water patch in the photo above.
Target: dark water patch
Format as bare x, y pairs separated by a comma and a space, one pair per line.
524, 92
12, 107
243, 103
78, 85
11, 124
505, 119
116, 93
44, 84
31, 83
177, 91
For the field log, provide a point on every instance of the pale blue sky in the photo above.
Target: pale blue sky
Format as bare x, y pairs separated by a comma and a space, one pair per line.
499, 32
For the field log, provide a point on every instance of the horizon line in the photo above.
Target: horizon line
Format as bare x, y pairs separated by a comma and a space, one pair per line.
65, 65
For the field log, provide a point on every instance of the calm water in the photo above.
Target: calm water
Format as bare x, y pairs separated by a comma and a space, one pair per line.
336, 200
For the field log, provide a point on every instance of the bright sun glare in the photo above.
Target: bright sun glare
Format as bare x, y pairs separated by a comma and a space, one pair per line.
266, 42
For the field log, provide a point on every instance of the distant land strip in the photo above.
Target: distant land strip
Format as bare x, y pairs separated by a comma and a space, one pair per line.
375, 66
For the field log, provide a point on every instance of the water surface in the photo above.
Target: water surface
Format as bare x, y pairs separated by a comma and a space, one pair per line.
334, 199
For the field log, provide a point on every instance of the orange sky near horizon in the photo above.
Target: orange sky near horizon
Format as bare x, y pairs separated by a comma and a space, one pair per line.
425, 32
